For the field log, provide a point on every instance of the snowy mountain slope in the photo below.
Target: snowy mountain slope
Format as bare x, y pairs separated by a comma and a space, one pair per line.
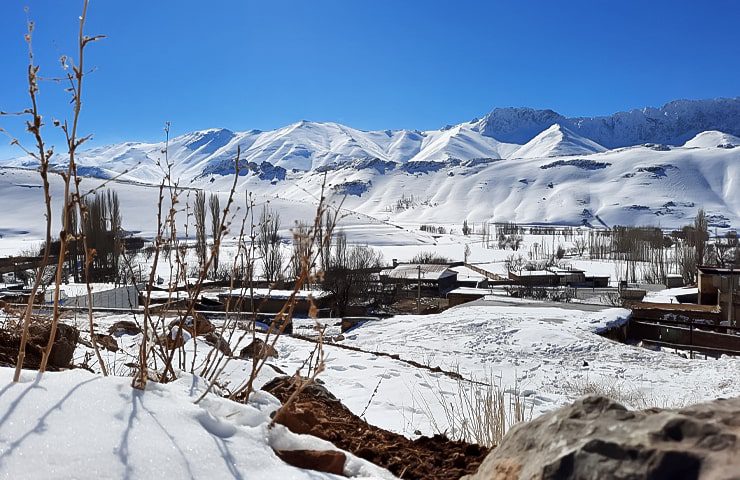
23, 226
634, 186
674, 123
641, 185
631, 186
713, 139
557, 141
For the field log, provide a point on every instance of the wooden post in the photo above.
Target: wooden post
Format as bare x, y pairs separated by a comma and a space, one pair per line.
731, 321
691, 338
418, 290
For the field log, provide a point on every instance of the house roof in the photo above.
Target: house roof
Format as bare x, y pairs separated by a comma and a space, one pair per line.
534, 273
564, 271
470, 291
429, 272
719, 271
274, 293
466, 274
675, 307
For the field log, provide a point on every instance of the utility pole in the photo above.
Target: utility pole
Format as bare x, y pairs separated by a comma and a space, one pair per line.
418, 290
731, 311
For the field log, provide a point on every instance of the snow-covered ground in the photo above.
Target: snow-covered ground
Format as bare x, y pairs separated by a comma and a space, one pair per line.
76, 424
547, 353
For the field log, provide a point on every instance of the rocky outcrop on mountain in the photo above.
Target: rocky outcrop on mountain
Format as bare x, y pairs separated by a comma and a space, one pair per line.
596, 437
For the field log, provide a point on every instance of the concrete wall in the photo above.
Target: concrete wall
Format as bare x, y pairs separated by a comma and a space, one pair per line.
121, 297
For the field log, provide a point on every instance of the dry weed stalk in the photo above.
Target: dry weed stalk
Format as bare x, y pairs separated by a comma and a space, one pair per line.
43, 156
319, 235
70, 203
316, 365
477, 413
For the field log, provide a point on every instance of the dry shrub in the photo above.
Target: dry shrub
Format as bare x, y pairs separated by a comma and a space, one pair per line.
620, 391
477, 412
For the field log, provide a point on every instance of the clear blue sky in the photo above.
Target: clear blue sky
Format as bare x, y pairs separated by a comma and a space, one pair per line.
371, 64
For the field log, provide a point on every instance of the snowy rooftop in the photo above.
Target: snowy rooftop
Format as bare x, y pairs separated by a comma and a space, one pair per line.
425, 270
465, 273
471, 291
669, 295
533, 273
566, 270
275, 293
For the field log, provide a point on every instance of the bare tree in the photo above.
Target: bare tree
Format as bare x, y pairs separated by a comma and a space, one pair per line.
102, 230
580, 246
215, 207
350, 275
701, 232
301, 246
199, 215
268, 245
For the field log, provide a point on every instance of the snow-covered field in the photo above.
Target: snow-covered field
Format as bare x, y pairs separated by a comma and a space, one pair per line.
548, 353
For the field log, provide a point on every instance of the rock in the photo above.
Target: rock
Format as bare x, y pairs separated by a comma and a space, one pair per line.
596, 437
329, 461
258, 349
215, 340
175, 339
124, 327
197, 325
106, 341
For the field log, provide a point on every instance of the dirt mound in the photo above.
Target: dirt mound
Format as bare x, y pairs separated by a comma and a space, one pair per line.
38, 336
317, 412
124, 327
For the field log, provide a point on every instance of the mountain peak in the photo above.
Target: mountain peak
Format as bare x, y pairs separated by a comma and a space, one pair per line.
555, 141
713, 139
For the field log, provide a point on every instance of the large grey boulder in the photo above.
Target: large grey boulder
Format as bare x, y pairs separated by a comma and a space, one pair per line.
596, 438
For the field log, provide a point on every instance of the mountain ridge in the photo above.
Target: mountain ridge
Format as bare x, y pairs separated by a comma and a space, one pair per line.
673, 123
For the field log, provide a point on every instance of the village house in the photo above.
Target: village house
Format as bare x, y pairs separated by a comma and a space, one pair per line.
719, 286
466, 277
272, 300
433, 278
569, 276
535, 278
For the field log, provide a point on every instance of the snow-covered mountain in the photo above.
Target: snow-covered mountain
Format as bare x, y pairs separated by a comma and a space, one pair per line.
673, 123
302, 146
559, 174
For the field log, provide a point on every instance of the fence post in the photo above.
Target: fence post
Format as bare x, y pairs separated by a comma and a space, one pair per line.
691, 338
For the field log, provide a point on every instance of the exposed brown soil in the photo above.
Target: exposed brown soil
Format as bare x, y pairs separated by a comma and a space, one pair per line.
317, 412
38, 336
407, 306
